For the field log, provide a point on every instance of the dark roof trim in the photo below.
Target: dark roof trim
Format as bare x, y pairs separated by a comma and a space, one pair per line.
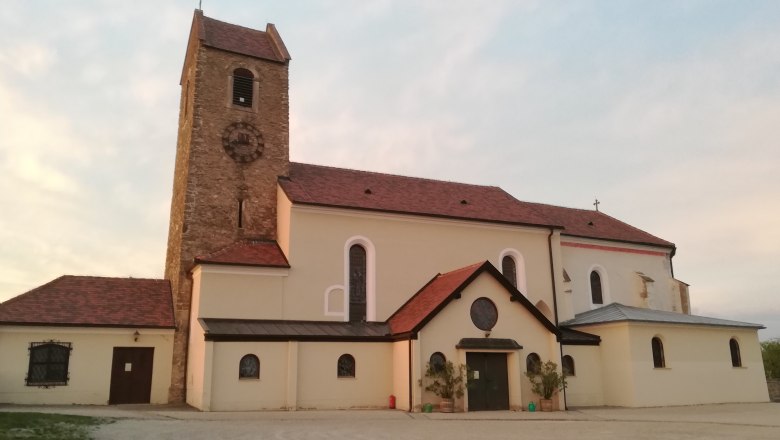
303, 338
202, 262
575, 337
489, 344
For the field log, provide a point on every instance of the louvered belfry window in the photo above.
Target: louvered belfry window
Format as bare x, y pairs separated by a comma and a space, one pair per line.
243, 87
48, 363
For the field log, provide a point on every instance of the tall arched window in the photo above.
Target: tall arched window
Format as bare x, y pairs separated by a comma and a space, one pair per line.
345, 366
243, 87
596, 294
736, 357
567, 365
533, 363
658, 353
357, 283
249, 367
509, 269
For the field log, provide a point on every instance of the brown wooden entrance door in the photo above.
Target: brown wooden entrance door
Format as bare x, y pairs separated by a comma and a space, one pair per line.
131, 375
490, 387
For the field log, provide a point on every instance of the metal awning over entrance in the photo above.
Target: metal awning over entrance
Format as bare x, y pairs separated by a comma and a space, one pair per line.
488, 344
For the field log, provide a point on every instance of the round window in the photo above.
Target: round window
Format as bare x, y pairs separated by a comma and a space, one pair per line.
484, 314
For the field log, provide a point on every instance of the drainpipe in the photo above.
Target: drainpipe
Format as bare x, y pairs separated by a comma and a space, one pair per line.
552, 276
409, 345
555, 305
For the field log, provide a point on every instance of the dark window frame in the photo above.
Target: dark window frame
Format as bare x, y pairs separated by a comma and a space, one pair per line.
247, 371
533, 363
509, 269
437, 361
49, 364
736, 355
243, 87
659, 359
345, 367
567, 366
596, 288
358, 283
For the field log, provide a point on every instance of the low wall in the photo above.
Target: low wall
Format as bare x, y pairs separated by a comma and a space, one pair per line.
774, 389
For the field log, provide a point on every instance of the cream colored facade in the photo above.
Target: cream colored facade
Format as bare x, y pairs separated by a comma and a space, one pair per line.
89, 363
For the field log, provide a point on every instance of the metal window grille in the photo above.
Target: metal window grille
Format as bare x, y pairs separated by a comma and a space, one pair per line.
48, 363
346, 366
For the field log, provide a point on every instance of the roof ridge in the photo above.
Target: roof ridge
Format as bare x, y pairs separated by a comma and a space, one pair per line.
24, 294
379, 173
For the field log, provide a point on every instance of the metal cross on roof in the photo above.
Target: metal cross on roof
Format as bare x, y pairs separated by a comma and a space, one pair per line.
596, 204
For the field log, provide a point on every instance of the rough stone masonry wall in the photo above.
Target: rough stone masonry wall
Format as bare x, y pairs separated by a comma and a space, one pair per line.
774, 389
208, 184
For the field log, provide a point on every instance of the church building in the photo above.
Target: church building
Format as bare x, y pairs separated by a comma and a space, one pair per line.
298, 286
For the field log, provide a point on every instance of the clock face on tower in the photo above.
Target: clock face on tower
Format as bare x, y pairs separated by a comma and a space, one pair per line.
242, 142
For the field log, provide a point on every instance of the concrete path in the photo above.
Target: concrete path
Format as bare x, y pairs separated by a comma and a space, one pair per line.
728, 421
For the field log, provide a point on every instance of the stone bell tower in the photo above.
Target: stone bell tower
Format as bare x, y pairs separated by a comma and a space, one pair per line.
233, 144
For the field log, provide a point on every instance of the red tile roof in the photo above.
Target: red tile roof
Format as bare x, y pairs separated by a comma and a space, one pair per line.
260, 253
431, 298
343, 188
238, 39
93, 301
434, 296
595, 224
338, 187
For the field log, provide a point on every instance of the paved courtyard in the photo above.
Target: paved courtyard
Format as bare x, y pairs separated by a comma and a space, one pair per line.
728, 421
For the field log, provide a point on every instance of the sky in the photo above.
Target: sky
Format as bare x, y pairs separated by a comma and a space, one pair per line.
667, 111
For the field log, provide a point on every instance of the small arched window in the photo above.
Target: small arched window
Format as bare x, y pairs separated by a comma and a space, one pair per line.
567, 365
509, 269
437, 361
243, 87
658, 353
736, 357
595, 288
249, 367
357, 283
346, 366
533, 363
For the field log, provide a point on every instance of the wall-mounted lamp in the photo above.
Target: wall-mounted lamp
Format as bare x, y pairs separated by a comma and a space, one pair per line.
136, 335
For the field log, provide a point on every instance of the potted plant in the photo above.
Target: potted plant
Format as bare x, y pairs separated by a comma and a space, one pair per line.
546, 382
447, 382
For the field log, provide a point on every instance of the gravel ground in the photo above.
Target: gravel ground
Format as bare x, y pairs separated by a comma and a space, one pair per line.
731, 421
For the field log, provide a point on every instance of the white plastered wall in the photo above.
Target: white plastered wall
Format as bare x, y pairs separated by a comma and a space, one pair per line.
89, 365
453, 323
239, 292
585, 387
409, 252
618, 275
698, 365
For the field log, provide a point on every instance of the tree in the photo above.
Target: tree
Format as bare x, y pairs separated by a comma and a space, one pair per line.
770, 351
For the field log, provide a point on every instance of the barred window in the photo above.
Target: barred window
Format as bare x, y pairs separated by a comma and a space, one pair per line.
357, 283
437, 361
567, 365
48, 363
249, 367
346, 366
533, 363
243, 87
